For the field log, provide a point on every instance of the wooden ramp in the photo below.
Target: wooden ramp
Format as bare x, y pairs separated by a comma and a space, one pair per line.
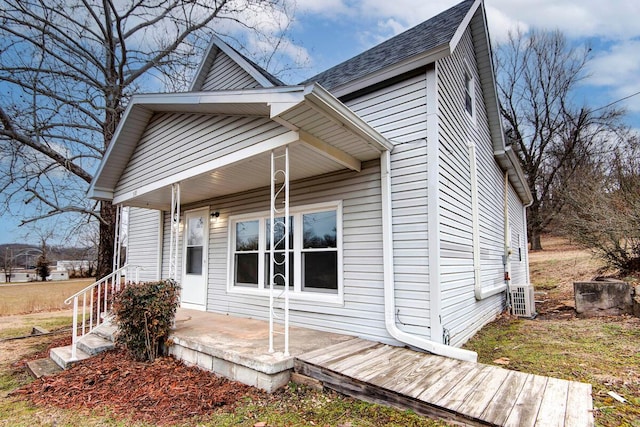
471, 393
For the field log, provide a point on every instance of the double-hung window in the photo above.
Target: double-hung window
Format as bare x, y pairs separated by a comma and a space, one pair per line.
314, 252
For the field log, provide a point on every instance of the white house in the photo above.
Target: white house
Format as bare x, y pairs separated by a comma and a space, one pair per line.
404, 206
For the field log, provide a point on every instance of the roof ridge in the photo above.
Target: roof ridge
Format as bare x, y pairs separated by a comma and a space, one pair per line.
428, 35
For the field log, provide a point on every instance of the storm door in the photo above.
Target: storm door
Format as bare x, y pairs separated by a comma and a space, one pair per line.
194, 270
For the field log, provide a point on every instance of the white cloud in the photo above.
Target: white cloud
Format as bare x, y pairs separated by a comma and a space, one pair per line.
616, 70
611, 19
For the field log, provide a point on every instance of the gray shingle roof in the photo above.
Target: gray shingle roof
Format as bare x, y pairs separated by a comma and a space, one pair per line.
424, 37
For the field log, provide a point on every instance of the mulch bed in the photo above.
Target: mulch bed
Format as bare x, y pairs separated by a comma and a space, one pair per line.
163, 392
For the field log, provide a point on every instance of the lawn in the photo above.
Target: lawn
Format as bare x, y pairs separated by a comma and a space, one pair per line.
33, 297
604, 352
293, 406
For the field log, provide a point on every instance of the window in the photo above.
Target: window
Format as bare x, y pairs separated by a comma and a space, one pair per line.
246, 253
319, 251
314, 252
279, 252
468, 93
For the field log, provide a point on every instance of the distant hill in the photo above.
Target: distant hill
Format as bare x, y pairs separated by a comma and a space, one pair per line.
54, 253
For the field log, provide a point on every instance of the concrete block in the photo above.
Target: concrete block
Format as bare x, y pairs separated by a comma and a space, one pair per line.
205, 361
602, 298
42, 367
93, 344
62, 356
246, 375
272, 382
222, 367
189, 357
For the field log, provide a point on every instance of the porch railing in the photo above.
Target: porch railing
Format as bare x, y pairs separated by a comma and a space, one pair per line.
95, 302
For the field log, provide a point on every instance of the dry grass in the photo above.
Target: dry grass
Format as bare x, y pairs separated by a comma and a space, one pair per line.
604, 352
20, 298
554, 269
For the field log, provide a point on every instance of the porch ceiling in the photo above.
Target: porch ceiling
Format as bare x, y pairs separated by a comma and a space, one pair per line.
248, 174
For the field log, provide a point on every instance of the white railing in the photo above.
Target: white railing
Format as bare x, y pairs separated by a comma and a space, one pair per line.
96, 304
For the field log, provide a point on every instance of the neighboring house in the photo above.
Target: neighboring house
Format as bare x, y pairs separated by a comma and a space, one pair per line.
406, 206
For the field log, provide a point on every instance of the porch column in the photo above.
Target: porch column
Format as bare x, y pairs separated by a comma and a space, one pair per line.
175, 231
279, 268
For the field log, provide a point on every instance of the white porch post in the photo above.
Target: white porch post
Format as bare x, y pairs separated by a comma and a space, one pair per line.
279, 207
117, 249
175, 231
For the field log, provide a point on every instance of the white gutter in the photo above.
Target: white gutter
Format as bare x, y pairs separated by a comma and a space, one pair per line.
480, 292
389, 285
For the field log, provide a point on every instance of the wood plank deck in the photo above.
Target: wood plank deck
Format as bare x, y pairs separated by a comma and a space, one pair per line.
471, 393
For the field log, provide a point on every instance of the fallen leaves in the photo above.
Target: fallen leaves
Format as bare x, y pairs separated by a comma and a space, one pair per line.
161, 392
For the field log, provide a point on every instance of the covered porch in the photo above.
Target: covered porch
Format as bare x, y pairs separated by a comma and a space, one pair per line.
235, 347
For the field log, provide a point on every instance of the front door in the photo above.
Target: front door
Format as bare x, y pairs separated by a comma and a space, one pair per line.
194, 270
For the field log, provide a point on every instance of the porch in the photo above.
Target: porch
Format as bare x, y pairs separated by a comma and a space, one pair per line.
237, 348
459, 391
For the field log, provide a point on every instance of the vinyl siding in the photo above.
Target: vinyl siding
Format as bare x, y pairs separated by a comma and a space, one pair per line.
201, 138
362, 313
226, 74
398, 112
462, 314
143, 243
519, 255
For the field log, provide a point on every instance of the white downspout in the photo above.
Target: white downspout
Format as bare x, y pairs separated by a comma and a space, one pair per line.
507, 233
480, 293
389, 285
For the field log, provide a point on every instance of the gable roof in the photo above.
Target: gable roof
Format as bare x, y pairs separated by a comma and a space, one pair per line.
334, 131
217, 45
424, 44
433, 39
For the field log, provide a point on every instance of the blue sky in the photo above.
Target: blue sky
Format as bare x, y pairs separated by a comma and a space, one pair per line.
327, 32
331, 31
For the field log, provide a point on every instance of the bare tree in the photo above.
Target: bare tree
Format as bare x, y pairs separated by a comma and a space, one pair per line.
7, 264
67, 69
554, 134
604, 213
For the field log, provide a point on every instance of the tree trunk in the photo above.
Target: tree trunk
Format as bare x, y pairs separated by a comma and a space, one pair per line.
107, 239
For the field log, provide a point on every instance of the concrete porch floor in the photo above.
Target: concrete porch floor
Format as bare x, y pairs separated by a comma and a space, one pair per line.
238, 348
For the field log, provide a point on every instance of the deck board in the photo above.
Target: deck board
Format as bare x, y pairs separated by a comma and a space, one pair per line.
466, 392
579, 410
505, 398
554, 403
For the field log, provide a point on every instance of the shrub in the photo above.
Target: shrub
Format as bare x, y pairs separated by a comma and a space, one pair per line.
144, 314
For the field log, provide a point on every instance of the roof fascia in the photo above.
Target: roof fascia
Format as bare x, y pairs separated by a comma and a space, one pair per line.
392, 71
320, 99
205, 64
505, 155
242, 62
101, 193
457, 36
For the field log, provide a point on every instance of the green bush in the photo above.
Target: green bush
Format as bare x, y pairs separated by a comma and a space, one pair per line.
144, 314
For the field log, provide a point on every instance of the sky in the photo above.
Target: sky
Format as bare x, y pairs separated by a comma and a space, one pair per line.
331, 31
327, 32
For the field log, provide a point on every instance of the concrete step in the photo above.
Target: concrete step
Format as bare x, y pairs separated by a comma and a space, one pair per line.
107, 331
42, 367
93, 344
62, 356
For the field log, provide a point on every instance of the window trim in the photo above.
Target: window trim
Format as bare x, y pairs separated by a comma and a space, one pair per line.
470, 77
296, 292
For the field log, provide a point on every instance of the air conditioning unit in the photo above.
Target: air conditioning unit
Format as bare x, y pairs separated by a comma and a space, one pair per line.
522, 301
